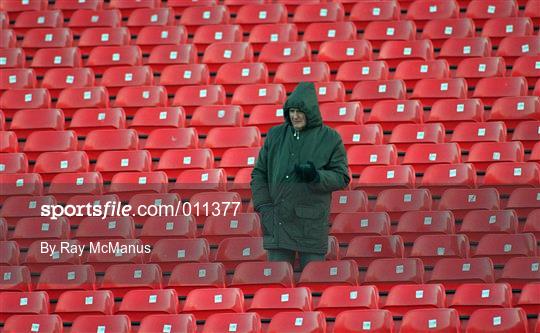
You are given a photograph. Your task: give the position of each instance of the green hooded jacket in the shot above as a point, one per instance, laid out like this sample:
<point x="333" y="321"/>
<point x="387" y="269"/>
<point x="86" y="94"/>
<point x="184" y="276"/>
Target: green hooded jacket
<point x="298" y="218"/>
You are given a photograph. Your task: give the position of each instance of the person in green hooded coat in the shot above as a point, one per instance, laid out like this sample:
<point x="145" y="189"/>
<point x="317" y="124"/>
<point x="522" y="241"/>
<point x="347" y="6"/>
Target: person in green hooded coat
<point x="300" y="164"/>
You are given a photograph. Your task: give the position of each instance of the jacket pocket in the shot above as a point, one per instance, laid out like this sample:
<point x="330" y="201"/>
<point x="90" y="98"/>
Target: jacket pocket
<point x="267" y="221"/>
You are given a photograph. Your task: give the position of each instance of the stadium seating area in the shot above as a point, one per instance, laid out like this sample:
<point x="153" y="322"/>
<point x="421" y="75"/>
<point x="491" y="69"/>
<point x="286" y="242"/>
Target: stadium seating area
<point x="154" y="102"/>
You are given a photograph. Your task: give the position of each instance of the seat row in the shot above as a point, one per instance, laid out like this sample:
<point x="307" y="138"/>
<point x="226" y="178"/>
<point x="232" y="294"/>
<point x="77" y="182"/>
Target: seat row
<point x="482" y="320"/>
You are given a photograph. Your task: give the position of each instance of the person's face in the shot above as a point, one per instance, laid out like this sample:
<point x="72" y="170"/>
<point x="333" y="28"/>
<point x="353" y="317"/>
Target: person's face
<point x="298" y="118"/>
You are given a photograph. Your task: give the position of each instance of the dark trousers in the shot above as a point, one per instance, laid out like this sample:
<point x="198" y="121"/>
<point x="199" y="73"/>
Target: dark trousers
<point x="289" y="256"/>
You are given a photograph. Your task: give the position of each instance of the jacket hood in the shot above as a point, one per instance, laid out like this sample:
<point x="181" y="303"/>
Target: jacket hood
<point x="304" y="97"/>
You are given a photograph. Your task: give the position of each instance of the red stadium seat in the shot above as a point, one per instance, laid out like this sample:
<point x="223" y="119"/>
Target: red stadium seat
<point x="18" y="185"/>
<point x="371" y="92"/>
<point x="170" y="252"/>
<point x="9" y="39"/>
<point x="50" y="164"/>
<point x="498" y="28"/>
<point x="320" y="32"/>
<point x="23" y="303"/>
<point x="483" y="154"/>
<point x="492" y="88"/>
<point x="269" y="301"/>
<point x="252" y="276"/>
<point x="242" y="322"/>
<point x="513" y="47"/>
<point x="160" y="140"/>
<point x="15" y="278"/>
<point x="477" y="223"/>
<point x="453" y="272"/>
<point x="233" y="251"/>
<point x="166" y="55"/>
<point x="403" y="298"/>
<point x="220" y="53"/>
<point x="12" y="58"/>
<point x="456" y="49"/>
<point x="519" y="271"/>
<point x="45" y="59"/>
<point x="338" y="299"/>
<point x="351" y="72"/>
<point x="424" y="11"/>
<point x="460" y="201"/>
<point x="103" y="57"/>
<point x="251" y="15"/>
<point x="10" y="253"/>
<point x="310" y="321"/>
<point x="411" y="71"/>
<point x="17" y="78"/>
<point x="181" y="322"/>
<point x="14" y="8"/>
<point x="421" y="156"/>
<point x="337" y="52"/>
<point x="398" y="201"/>
<point x="345" y="226"/>
<point x="431" y="248"/>
<point x="235" y="159"/>
<point x="37" y="260"/>
<point x="209" y="34"/>
<point x="365" y="249"/>
<point x="474" y="69"/>
<point x="206" y="117"/>
<point x="377" y="32"/>
<point x="370" y="319"/>
<point x="42" y="38"/>
<point x="428" y="91"/>
<point x="74" y="303"/>
<point x="385" y="273"/>
<point x="91" y="323"/>
<point x="526" y="66"/>
<point x="498" y="320"/>
<point x="122" y="278"/>
<point x="531" y="224"/>
<point x="30" y="229"/>
<point x="158" y="227"/>
<point x="196" y="16"/>
<point x="439" y="30"/>
<point x="13" y="163"/>
<point x="93" y="228"/>
<point x="102" y="36"/>
<point x="190" y="97"/>
<point x="473" y="296"/>
<point x="501" y="247"/>
<point x="507" y="176"/>
<point x="290" y="74"/>
<point x="466" y="134"/>
<point x="218" y="228"/>
<point x="50" y="323"/>
<point x="174" y="76"/>
<point x="341" y="113"/>
<point x="64" y="186"/>
<point x="49" y="141"/>
<point x="361" y="156"/>
<point x="318" y="276"/>
<point x="71" y="99"/>
<point x="111" y="162"/>
<point x="414" y="224"/>
<point x="190" y="182"/>
<point x="57" y="279"/>
<point x="147" y="119"/>
<point x="531" y="10"/>
<point x="421" y="319"/>
<point x="231" y="75"/>
<point x="189" y="276"/>
<point x="134" y="98"/>
<point x="99" y="141"/>
<point x="115" y="255"/>
<point x="25" y="122"/>
<point x="368" y="11"/>
<point x="394" y="52"/>
<point x="204" y="302"/>
<point x="528" y="132"/>
<point x="174" y="162"/>
<point x="155" y="17"/>
<point x="375" y="179"/>
<point x="16" y="99"/>
<point x="360" y="134"/>
<point x="438" y="177"/>
<point x="261" y="34"/>
<point x="220" y="139"/>
<point x="25" y="204"/>
<point x="85" y="121"/>
<point x="275" y="53"/>
<point x="347" y="201"/>
<point x="115" y="78"/>
<point x="87" y="18"/>
<point x="405" y="136"/>
<point x="127" y="184"/>
<point x="480" y="11"/>
<point x="57" y="79"/>
<point x="308" y="13"/>
<point x="138" y="304"/>
<point x="332" y="91"/>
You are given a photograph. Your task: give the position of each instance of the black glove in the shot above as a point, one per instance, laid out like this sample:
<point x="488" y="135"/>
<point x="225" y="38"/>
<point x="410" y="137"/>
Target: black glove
<point x="306" y="172"/>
